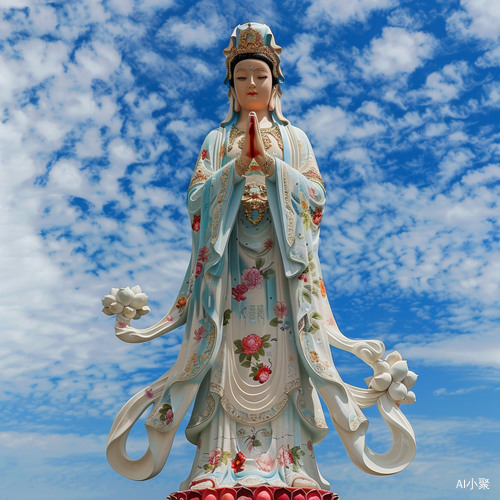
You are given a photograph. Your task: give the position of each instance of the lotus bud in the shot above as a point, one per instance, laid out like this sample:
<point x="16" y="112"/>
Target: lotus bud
<point x="106" y="310"/>
<point x="399" y="370"/>
<point x="129" y="312"/>
<point x="397" y="391"/>
<point x="140" y="300"/>
<point x="136" y="289"/>
<point x="116" y="308"/>
<point x="410" y="379"/>
<point x="114" y="291"/>
<point x="393" y="357"/>
<point x="125" y="296"/>
<point x="381" y="381"/>
<point x="144" y="310"/>
<point x="108" y="300"/>
<point x="380" y="366"/>
<point x="410" y="398"/>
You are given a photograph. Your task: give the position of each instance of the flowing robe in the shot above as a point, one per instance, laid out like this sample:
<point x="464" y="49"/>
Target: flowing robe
<point x="255" y="351"/>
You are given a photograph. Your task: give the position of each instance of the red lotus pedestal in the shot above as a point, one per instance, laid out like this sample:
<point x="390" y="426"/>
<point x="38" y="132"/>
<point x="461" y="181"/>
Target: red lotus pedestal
<point x="254" y="493"/>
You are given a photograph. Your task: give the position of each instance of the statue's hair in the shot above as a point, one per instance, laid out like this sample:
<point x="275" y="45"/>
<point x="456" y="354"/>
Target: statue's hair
<point x="244" y="57"/>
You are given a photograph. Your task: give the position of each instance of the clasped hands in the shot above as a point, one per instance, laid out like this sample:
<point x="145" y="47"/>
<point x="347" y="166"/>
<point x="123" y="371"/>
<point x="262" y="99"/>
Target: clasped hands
<point x="253" y="149"/>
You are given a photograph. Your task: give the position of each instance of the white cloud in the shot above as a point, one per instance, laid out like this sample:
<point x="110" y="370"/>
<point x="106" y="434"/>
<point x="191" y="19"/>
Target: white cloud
<point x="479" y="18"/>
<point x="490" y="59"/>
<point x="397" y="51"/>
<point x="339" y="11"/>
<point x="445" y="85"/>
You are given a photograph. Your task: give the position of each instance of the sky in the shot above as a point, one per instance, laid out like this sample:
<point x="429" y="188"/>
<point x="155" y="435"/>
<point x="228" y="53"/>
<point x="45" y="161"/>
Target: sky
<point x="104" y="106"/>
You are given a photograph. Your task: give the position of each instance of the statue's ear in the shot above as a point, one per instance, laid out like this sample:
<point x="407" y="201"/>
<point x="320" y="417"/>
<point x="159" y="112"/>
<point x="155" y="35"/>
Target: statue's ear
<point x="272" y="101"/>
<point x="236" y="104"/>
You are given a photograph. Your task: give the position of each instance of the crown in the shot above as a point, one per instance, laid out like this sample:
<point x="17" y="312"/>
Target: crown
<point x="251" y="41"/>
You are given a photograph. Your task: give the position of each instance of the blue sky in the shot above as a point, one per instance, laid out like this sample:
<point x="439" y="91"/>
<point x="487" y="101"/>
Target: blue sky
<point x="103" y="108"/>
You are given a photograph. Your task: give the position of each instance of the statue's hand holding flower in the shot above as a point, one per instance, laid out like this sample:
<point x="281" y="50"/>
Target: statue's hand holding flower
<point x="392" y="376"/>
<point x="126" y="303"/>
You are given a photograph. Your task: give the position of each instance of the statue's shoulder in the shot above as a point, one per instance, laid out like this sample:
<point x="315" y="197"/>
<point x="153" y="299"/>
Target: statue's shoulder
<point x="299" y="133"/>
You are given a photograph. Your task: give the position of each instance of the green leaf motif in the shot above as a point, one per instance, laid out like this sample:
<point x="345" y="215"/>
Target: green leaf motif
<point x="274" y="321"/>
<point x="237" y="343"/>
<point x="246" y="364"/>
<point x="227" y="317"/>
<point x="265" y="338"/>
<point x="257" y="443"/>
<point x="242" y="357"/>
<point x="266" y="345"/>
<point x="261" y="352"/>
<point x="316" y="315"/>
<point x="225" y="456"/>
<point x="238" y="351"/>
<point x="310" y="257"/>
<point x="268" y="273"/>
<point x="315" y="293"/>
<point x="256" y="355"/>
<point x="306" y="296"/>
<point x="259" y="262"/>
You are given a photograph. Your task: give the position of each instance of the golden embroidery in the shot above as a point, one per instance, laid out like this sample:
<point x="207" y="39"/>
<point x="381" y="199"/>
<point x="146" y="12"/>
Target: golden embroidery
<point x="290" y="212"/>
<point x="222" y="150"/>
<point x="266" y="133"/>
<point x="218" y="206"/>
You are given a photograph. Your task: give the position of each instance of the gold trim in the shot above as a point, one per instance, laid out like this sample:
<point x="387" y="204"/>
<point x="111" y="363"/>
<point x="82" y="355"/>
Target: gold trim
<point x="251" y="41"/>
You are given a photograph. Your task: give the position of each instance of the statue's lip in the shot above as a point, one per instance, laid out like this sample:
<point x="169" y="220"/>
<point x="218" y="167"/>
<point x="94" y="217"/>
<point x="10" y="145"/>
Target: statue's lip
<point x="252" y="93"/>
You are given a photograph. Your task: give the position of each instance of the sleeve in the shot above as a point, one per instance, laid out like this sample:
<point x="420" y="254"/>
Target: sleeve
<point x="297" y="199"/>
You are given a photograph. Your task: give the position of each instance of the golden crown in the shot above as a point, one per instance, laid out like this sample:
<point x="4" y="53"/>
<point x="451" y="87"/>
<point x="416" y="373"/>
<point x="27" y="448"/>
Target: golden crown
<point x="251" y="42"/>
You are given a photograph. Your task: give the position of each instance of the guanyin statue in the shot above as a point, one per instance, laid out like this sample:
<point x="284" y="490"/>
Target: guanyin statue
<point x="256" y="355"/>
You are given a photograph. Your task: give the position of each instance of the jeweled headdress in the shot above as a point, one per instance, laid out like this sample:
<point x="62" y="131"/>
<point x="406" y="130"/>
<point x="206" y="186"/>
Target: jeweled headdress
<point x="253" y="38"/>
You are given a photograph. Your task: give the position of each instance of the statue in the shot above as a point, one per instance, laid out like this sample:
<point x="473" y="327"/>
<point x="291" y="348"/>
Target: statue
<point x="258" y="325"/>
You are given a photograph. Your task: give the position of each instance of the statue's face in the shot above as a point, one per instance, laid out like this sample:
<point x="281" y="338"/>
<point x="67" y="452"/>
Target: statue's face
<point x="253" y="84"/>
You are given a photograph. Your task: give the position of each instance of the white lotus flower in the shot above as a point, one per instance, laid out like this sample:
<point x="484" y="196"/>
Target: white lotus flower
<point x="127" y="303"/>
<point x="392" y="376"/>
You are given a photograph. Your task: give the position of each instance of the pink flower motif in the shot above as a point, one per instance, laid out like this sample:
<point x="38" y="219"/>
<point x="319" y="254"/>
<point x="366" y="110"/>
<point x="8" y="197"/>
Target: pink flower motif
<point x="122" y="325"/>
<point x="285" y="457"/>
<point x="251" y="344"/>
<point x="200" y="333"/>
<point x="199" y="269"/>
<point x="214" y="456"/>
<point x="330" y="321"/>
<point x="169" y="416"/>
<point x="268" y="244"/>
<point x="169" y="318"/>
<point x="262" y="376"/>
<point x="312" y="193"/>
<point x="252" y="278"/>
<point x="265" y="462"/>
<point x="239" y="293"/>
<point x="149" y="393"/>
<point x="195" y="226"/>
<point x="280" y="309"/>
<point x="303" y="277"/>
<point x="203" y="254"/>
<point x="310" y="445"/>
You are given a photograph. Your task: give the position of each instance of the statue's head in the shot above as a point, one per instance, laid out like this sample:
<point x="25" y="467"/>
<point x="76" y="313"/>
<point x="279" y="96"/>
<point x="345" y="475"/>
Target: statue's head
<point x="252" y="53"/>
